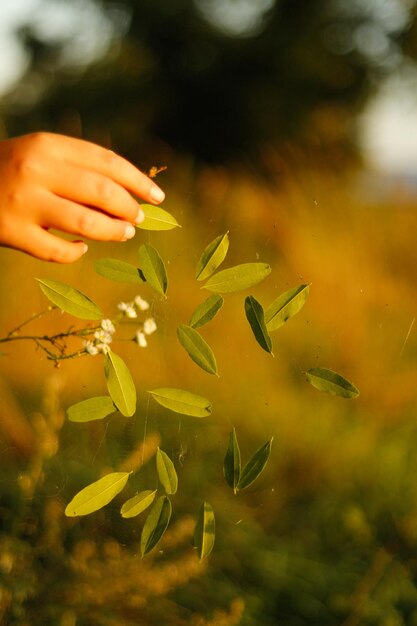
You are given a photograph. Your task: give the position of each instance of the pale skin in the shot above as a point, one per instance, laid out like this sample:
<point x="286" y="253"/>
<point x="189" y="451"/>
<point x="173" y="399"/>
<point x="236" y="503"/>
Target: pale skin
<point x="50" y="181"/>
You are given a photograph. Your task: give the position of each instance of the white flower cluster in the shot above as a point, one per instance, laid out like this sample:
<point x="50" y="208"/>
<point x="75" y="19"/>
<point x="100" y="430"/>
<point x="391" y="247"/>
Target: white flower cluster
<point x="130" y="309"/>
<point x="149" y="327"/>
<point x="102" y="338"/>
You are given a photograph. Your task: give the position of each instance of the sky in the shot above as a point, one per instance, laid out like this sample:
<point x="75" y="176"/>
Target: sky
<point x="388" y="126"/>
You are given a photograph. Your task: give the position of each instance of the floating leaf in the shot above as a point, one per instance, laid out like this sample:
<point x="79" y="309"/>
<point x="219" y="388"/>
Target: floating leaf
<point x="206" y="311"/>
<point x="286" y="306"/>
<point x="92" y="409"/>
<point x="156" y="524"/>
<point x="231" y="466"/>
<point x="331" y="382"/>
<point x="166" y="472"/>
<point x="157" y="218"/>
<point x="113" y="269"/>
<point x="197" y="348"/>
<point x="255" y="316"/>
<point x="213" y="255"/>
<point x="98" y="494"/>
<point x="153" y="269"/>
<point x="205" y="530"/>
<point x="70" y="299"/>
<point x="255" y="466"/>
<point x="138" y="503"/>
<point x="181" y="401"/>
<point x="120" y="384"/>
<point x="238" y="277"/>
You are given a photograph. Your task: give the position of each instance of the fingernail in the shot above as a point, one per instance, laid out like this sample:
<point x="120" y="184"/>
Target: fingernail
<point x="130" y="231"/>
<point x="85" y="248"/>
<point x="140" y="217"/>
<point x="157" y="194"/>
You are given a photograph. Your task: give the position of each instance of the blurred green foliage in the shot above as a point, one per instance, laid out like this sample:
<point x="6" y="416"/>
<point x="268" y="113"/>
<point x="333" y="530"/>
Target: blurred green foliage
<point x="221" y="80"/>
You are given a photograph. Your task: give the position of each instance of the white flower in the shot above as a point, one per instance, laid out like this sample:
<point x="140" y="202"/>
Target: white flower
<point x="131" y="312"/>
<point x="128" y="309"/>
<point x="102" y="337"/>
<point x="149" y="326"/>
<point x="142" y="304"/>
<point x="103" y="347"/>
<point x="141" y="339"/>
<point x="90" y="348"/>
<point x="108" y="326"/>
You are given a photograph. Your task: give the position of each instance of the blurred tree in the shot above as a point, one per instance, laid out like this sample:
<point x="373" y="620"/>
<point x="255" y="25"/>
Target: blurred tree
<point x="223" y="80"/>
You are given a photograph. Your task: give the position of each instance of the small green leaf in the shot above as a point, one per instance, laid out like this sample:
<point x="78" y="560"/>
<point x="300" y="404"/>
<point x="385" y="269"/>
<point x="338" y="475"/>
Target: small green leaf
<point x="157" y="219"/>
<point x="120" y="384"/>
<point x="286" y="306"/>
<point x="205" y="530"/>
<point x="92" y="409"/>
<point x="166" y="472"/>
<point x="255" y="466"/>
<point x="238" y="277"/>
<point x="70" y="299"/>
<point x="156" y="524"/>
<point x="181" y="401"/>
<point x="197" y="348"/>
<point x="98" y="494"/>
<point x="255" y="316"/>
<point x="153" y="269"/>
<point x="330" y="382"/>
<point x="120" y="271"/>
<point x="206" y="311"/>
<point x="213" y="255"/>
<point x="231" y="465"/>
<point x="138" y="503"/>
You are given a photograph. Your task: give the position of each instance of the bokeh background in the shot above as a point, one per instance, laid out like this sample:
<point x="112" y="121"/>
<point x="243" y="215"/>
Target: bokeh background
<point x="293" y="125"/>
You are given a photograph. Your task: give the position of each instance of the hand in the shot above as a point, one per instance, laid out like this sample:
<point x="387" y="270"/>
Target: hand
<point x="53" y="181"/>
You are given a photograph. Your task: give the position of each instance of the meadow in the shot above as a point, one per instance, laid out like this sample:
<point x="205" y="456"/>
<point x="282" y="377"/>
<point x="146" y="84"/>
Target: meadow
<point x="326" y="536"/>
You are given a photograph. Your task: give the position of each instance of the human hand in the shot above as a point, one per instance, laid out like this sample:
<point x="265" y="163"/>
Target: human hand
<point x="53" y="181"/>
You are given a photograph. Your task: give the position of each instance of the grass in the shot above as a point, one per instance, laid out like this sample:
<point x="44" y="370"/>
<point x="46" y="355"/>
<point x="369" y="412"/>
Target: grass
<point x="327" y="534"/>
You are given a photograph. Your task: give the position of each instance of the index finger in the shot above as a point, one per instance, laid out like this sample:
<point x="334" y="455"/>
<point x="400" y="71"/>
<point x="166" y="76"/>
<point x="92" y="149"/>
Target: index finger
<point x="94" y="157"/>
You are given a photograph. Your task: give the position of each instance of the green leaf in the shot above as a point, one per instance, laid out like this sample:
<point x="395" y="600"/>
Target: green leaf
<point x="255" y="466"/>
<point x="206" y="311"/>
<point x="181" y="401"/>
<point x="205" y="530"/>
<point x="153" y="269"/>
<point x="286" y="306"/>
<point x="113" y="269"/>
<point x="70" y="299"/>
<point x="213" y="255"/>
<point x="255" y="316"/>
<point x="197" y="348"/>
<point x="231" y="465"/>
<point x="120" y="384"/>
<point x="166" y="472"/>
<point x="238" y="277"/>
<point x="98" y="494"/>
<point x="92" y="409"/>
<point x="157" y="219"/>
<point x="156" y="524"/>
<point x="330" y="382"/>
<point x="138" y="503"/>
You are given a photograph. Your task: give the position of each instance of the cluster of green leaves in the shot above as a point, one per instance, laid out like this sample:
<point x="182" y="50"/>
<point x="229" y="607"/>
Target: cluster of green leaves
<point x="121" y="388"/>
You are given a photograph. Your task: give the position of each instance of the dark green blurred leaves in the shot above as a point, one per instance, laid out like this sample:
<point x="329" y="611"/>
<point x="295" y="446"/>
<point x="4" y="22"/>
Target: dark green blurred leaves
<point x="156" y="524"/>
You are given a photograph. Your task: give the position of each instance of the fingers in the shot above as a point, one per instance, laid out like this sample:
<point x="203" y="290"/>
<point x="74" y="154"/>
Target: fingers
<point x="106" y="162"/>
<point x="70" y="217"/>
<point x="90" y="188"/>
<point x="47" y="247"/>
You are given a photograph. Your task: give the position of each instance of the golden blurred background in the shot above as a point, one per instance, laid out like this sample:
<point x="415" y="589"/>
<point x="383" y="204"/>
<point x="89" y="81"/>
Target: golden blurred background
<point x="257" y="114"/>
